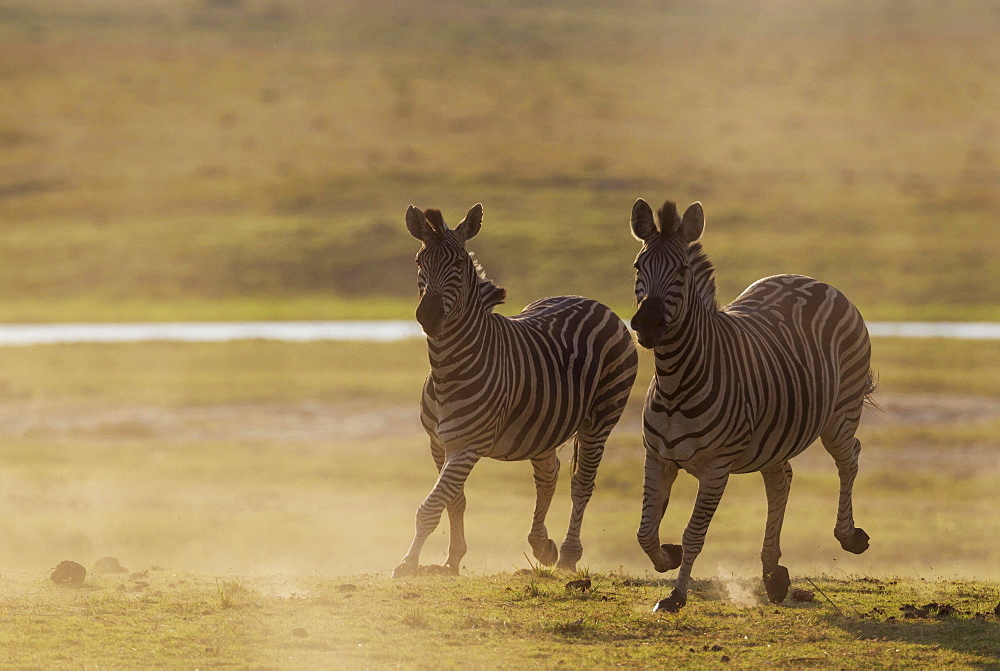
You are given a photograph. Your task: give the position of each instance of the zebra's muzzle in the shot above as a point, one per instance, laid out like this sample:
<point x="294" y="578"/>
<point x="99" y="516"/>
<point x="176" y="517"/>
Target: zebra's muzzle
<point x="430" y="313"/>
<point x="649" y="322"/>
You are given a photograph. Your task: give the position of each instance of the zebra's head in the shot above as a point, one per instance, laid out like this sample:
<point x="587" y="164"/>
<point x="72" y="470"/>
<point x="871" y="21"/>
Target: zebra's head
<point x="662" y="268"/>
<point x="446" y="274"/>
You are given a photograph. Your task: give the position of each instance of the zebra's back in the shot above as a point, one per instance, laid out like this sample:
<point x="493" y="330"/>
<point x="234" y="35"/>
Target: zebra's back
<point x="807" y="358"/>
<point x="553" y="364"/>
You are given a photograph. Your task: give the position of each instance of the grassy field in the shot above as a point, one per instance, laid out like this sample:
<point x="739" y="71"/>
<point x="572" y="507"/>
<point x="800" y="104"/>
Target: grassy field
<point x="253" y="159"/>
<point x="523" y="620"/>
<point x="244" y="484"/>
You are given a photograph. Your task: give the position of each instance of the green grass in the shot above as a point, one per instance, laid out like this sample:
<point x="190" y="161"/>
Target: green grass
<point x="935" y="365"/>
<point x="375" y="373"/>
<point x="93" y="308"/>
<point x="493" y="620"/>
<point x="252" y="159"/>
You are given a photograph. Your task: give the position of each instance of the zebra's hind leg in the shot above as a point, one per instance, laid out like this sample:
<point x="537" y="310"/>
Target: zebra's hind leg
<point x="711" y="486"/>
<point x="546" y="472"/>
<point x="777" y="482"/>
<point x="587" y="452"/>
<point x="659" y="479"/>
<point x="840" y="441"/>
<point x="448" y="487"/>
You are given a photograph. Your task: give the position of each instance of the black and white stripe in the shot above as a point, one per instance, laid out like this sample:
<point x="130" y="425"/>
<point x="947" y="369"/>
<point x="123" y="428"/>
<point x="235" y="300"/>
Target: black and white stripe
<point x="510" y="388"/>
<point x="740" y="389"/>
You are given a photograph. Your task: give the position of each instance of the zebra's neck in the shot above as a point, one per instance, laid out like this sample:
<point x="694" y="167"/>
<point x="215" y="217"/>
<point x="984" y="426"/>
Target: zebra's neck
<point x="686" y="364"/>
<point x="462" y="343"/>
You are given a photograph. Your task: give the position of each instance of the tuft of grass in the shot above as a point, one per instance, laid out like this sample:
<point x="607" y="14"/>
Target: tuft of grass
<point x="576" y="628"/>
<point x="533" y="589"/>
<point x="233" y="593"/>
<point x="416" y="618"/>
<point x="538" y="569"/>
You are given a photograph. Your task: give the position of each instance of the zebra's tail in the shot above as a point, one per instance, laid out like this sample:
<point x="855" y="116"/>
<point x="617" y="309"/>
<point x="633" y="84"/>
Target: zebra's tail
<point x="871" y="384"/>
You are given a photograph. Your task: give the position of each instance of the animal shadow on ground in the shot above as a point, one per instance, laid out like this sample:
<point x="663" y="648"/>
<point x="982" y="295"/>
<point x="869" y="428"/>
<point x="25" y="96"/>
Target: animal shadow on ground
<point x="937" y="625"/>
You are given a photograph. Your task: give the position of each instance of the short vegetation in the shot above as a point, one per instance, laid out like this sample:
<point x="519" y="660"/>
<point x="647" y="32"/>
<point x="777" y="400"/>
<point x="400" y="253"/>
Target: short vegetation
<point x="510" y="620"/>
<point x="254" y="158"/>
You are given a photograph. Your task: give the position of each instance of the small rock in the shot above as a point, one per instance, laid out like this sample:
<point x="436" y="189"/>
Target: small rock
<point x="138" y="575"/>
<point x="109" y="565"/>
<point x="299" y="632"/>
<point x="347" y="587"/>
<point x="69" y="573"/>
<point x="725" y="659"/>
<point x="583" y="584"/>
<point x="996" y="611"/>
<point x="715" y="648"/>
<point x="803" y="595"/>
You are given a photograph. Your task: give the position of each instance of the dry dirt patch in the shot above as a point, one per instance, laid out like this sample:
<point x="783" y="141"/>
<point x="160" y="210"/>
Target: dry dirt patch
<point x="308" y="421"/>
<point x="325" y="423"/>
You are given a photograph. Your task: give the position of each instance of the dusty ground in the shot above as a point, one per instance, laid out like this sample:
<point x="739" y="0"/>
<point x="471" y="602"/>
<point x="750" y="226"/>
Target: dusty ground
<point x="318" y="422"/>
<point x="318" y="486"/>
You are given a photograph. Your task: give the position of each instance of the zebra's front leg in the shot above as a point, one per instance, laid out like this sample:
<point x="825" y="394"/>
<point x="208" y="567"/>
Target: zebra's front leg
<point x="456" y="514"/>
<point x="456" y="535"/>
<point x="659" y="479"/>
<point x="446" y="490"/>
<point x="546" y="473"/>
<point x="710" y="489"/>
<point x="777" y="482"/>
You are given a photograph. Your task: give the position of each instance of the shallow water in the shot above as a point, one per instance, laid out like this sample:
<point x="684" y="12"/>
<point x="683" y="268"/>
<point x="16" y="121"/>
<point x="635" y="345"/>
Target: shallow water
<point x="370" y="331"/>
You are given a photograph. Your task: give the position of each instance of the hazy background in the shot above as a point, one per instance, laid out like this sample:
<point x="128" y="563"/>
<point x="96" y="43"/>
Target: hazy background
<point x="210" y="154"/>
<point x="253" y="159"/>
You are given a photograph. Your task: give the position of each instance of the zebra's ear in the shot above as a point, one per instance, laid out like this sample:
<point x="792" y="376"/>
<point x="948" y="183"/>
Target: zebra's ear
<point x="692" y="223"/>
<point x="469" y="226"/>
<point x="642" y="221"/>
<point x="416" y="224"/>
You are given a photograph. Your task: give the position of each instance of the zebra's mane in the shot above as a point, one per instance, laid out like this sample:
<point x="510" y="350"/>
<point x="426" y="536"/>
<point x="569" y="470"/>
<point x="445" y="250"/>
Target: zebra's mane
<point x="489" y="293"/>
<point x="704" y="275"/>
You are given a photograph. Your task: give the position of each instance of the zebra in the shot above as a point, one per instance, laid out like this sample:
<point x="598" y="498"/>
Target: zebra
<point x="739" y="389"/>
<point x="510" y="388"/>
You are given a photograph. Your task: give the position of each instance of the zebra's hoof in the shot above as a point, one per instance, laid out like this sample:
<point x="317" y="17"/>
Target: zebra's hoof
<point x="672" y="604"/>
<point x="674" y="554"/>
<point x="404" y="569"/>
<point x="549" y="553"/>
<point x="777" y="583"/>
<point x="857" y="543"/>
